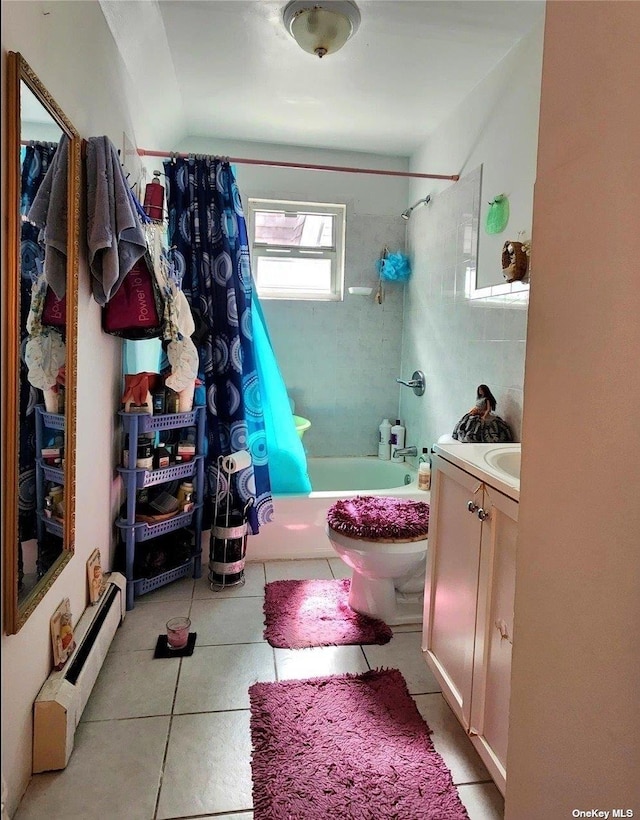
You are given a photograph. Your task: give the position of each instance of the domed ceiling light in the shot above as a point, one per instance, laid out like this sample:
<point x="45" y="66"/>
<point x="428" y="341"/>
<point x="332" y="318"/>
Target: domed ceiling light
<point x="323" y="27"/>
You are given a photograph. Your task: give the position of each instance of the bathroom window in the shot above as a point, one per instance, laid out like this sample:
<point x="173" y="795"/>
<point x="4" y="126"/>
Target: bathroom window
<point x="297" y="249"/>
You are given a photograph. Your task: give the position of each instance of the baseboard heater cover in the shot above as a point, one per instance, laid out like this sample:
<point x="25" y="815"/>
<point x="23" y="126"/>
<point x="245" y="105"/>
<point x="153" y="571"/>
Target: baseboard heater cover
<point x="61" y="701"/>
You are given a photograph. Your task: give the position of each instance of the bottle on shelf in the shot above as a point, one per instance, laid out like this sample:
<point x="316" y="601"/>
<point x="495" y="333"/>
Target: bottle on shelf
<point x="397" y="440"/>
<point x="185" y="496"/>
<point x="384" y="440"/>
<point x="161" y="457"/>
<point x="172" y="401"/>
<point x="144" y="458"/>
<point x="159" y="402"/>
<point x="424" y="473"/>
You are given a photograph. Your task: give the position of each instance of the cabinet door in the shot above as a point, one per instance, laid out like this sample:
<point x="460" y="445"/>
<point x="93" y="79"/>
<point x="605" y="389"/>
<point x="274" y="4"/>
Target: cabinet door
<point x="451" y="587"/>
<point x="494" y="635"/>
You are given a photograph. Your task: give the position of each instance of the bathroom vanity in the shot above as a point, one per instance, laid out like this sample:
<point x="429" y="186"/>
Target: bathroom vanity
<point x="469" y="590"/>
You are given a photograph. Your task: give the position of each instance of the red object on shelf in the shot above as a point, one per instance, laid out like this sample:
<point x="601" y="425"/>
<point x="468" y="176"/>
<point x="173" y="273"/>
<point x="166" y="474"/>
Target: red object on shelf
<point x="154" y="198"/>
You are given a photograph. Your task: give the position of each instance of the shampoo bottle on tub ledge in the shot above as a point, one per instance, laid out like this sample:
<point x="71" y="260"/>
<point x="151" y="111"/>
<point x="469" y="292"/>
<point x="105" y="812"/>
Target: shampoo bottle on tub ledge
<point x="397" y="440"/>
<point x="384" y="440"/>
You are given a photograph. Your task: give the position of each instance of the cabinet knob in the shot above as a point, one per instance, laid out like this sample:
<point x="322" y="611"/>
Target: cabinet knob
<point x="482" y="514"/>
<point x="472" y="506"/>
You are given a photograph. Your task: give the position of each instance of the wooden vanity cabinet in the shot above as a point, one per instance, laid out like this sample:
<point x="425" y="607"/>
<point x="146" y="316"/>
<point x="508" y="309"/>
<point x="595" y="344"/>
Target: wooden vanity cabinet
<point x="468" y="606"/>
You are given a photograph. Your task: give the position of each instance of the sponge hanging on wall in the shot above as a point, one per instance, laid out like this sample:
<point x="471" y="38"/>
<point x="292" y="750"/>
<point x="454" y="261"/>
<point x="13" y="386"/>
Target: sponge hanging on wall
<point x="394" y="267"/>
<point x="498" y="214"/>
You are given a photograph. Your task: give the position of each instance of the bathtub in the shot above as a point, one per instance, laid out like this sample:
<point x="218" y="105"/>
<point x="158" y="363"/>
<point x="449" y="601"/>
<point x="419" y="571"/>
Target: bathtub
<point x="298" y="526"/>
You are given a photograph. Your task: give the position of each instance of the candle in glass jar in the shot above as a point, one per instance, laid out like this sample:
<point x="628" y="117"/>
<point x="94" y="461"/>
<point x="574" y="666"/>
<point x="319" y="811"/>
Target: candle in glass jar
<point x="178" y="632"/>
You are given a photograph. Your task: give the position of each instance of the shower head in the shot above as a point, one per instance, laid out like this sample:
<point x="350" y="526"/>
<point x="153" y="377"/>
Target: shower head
<point x="424" y="201"/>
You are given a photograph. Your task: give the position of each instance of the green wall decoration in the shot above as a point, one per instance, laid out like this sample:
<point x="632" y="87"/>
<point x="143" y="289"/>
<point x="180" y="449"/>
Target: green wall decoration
<point x="498" y="214"/>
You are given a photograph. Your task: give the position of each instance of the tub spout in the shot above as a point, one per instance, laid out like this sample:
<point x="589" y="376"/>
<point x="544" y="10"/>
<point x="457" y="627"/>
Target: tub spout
<point x="411" y="452"/>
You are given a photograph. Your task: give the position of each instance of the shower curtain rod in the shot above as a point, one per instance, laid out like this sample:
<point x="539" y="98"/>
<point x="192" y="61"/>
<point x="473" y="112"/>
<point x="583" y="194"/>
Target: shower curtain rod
<point x="144" y="152"/>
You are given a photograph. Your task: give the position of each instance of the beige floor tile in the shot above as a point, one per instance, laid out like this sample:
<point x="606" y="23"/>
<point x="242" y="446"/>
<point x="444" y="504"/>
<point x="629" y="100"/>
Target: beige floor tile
<point x="482" y="801"/>
<point x="114" y="772"/>
<point x="208" y="765"/>
<point x="133" y="684"/>
<point x="245" y="815"/>
<point x="218" y="677"/>
<point x="450" y="740"/>
<point x="403" y="652"/>
<point x="292" y="664"/>
<point x="228" y="620"/>
<point x="311" y="570"/>
<point x="145" y="622"/>
<point x="254" y="581"/>
<point x="339" y="568"/>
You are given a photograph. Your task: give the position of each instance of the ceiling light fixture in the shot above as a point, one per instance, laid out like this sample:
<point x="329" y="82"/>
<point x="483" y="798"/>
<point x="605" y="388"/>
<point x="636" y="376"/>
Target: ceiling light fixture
<point x="322" y="27"/>
<point x="424" y="201"/>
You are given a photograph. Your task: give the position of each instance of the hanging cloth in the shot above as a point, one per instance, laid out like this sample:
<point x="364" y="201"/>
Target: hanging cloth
<point x="48" y="212"/>
<point x="211" y="254"/>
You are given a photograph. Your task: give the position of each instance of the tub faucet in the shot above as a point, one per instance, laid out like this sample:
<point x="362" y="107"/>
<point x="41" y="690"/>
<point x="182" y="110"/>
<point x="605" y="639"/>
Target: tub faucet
<point x="411" y="452"/>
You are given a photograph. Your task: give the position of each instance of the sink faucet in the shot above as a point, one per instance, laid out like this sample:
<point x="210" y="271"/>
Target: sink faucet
<point x="412" y="452"/>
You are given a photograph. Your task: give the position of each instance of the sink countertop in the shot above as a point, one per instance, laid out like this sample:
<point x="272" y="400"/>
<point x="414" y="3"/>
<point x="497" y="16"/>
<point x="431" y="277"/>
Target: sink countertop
<point x="471" y="458"/>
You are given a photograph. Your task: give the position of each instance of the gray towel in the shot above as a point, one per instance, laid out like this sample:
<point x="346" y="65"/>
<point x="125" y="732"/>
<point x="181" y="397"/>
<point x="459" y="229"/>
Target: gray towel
<point x="49" y="213"/>
<point x="115" y="236"/>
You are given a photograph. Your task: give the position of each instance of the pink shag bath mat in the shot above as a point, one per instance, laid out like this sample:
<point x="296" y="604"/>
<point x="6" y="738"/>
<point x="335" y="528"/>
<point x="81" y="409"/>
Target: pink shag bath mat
<point x="300" y="614"/>
<point x="346" y="746"/>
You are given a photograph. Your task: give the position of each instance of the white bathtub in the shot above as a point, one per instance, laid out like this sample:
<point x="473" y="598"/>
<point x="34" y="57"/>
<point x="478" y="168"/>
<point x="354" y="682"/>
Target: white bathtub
<point x="298" y="526"/>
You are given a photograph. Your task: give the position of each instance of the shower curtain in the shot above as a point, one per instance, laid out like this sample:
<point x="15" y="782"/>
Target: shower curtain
<point x="208" y="235"/>
<point x="287" y="459"/>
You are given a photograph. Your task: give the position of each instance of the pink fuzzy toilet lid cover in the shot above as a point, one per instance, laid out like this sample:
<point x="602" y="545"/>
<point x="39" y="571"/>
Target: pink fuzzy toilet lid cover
<point x="380" y="518"/>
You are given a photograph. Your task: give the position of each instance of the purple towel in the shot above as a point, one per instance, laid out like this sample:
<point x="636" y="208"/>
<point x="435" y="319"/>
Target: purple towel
<point x="115" y="236"/>
<point x="49" y="213"/>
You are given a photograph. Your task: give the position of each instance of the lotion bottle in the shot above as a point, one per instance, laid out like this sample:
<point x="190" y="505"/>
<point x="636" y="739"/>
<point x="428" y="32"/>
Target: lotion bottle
<point x="424" y="476"/>
<point x="384" y="440"/>
<point x="397" y="440"/>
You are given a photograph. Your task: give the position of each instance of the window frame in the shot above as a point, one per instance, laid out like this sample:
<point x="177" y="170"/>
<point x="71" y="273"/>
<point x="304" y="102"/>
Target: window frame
<point x="335" y="253"/>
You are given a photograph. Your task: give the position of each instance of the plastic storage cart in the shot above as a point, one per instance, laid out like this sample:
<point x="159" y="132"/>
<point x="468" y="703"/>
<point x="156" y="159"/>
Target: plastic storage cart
<point x="136" y="478"/>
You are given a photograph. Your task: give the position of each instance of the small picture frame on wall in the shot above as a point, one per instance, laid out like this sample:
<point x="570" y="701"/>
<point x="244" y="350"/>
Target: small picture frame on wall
<point x="95" y="577"/>
<point x="62" y="634"/>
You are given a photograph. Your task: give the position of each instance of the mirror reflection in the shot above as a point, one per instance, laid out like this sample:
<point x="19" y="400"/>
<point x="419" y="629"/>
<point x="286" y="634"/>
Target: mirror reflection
<point x="38" y="547"/>
<point x="40" y="315"/>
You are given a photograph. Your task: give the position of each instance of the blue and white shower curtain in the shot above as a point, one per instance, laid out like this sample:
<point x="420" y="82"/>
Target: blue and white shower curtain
<point x="208" y="236"/>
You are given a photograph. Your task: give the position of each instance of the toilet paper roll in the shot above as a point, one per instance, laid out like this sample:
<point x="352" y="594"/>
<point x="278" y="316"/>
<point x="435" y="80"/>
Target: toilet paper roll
<point x="236" y="461"/>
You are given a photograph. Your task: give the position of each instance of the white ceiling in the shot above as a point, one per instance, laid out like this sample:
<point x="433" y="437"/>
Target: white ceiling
<point x="230" y="70"/>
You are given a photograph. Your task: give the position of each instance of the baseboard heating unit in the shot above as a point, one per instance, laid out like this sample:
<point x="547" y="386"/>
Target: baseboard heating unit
<point x="61" y="701"/>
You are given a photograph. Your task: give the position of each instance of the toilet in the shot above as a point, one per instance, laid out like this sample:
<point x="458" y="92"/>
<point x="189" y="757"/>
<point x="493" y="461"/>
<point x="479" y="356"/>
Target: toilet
<point x="384" y="541"/>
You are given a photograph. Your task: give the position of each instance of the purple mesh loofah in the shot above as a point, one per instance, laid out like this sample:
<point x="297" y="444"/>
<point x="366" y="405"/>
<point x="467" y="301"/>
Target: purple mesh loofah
<point x="379" y="516"/>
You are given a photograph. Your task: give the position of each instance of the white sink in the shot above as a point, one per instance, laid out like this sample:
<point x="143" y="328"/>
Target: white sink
<point x="505" y="460"/>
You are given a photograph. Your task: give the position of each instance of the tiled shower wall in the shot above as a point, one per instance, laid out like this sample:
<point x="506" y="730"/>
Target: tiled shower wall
<point x="458" y="343"/>
<point x="340" y="360"/>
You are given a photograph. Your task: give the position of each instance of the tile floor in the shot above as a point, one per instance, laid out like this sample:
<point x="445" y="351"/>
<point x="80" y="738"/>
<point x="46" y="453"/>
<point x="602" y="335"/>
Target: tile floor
<point x="169" y="738"/>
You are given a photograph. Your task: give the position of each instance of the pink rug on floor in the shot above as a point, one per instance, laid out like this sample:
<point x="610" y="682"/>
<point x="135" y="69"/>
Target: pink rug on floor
<point x="346" y="746"/>
<point x="299" y="614"/>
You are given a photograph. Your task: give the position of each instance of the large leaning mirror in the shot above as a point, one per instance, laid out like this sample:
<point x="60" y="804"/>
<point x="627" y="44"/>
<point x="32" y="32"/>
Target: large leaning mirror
<point x="40" y="333"/>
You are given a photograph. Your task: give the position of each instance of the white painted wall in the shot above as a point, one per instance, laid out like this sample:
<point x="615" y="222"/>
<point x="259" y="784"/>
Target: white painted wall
<point x="496" y="127"/>
<point x="460" y="343"/>
<point x="574" y="736"/>
<point x="90" y="87"/>
<point x="339" y="360"/>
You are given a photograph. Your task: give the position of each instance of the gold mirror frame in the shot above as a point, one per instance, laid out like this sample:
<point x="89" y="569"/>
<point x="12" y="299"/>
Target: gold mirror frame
<point x="17" y="612"/>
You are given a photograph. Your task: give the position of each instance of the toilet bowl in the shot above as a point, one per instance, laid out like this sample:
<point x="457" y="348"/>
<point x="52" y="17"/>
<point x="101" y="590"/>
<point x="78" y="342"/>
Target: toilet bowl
<point x="388" y="560"/>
